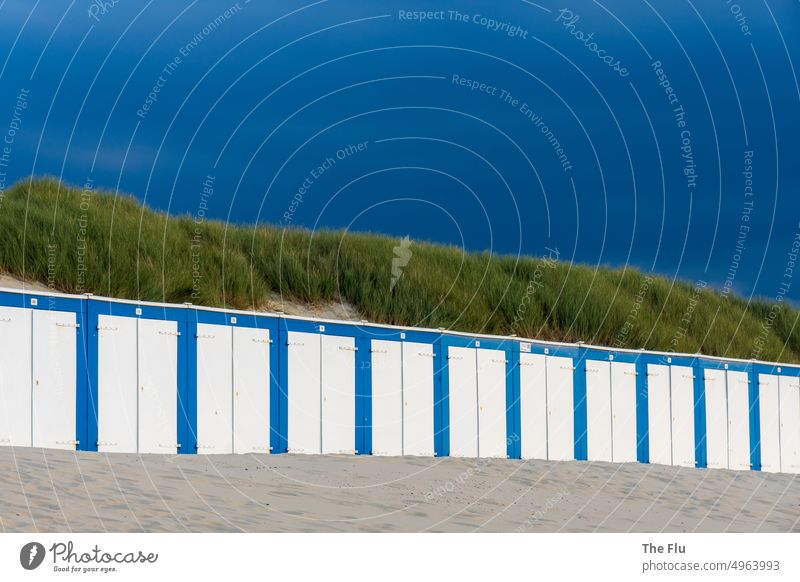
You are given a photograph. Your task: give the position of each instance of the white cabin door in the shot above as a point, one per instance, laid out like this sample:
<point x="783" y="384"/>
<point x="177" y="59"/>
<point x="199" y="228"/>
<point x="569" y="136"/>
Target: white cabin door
<point x="338" y="395"/>
<point x="623" y="406"/>
<point x="533" y="406"/>
<point x="492" y="435"/>
<point x="560" y="409"/>
<point x="462" y="366"/>
<point x="158" y="386"/>
<point x="54" y="379"/>
<point x="305" y="419"/>
<point x="15" y="377"/>
<point x="738" y="421"/>
<point x="418" y="399"/>
<point x="387" y="397"/>
<point x="214" y="389"/>
<point x="598" y="410"/>
<point x="117" y="375"/>
<point x="251" y="382"/>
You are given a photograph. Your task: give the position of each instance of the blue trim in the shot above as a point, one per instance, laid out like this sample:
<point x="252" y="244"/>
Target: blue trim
<point x="755" y="420"/>
<point x="277" y="438"/>
<point x="282" y="410"/>
<point x="642" y="418"/>
<point x="187" y="422"/>
<point x="365" y="334"/>
<point x="187" y="394"/>
<point x="82" y="397"/>
<point x="442" y="429"/>
<point x="441" y="403"/>
<point x="580" y="423"/>
<point x="197" y="315"/>
<point x="700" y="421"/>
<point x="513" y="410"/>
<point x="363" y="396"/>
<point x="92" y="366"/>
<point x="578" y="356"/>
<point x="597" y="355"/>
<point x="97" y="307"/>
<point x="698" y="390"/>
<point x="332" y="329"/>
<point x="374" y="332"/>
<point x="76" y="305"/>
<point x="757" y="368"/>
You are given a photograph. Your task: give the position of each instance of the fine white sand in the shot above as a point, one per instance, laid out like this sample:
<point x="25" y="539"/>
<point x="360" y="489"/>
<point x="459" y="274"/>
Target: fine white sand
<point x="274" y="302"/>
<point x="46" y="491"/>
<point x="11" y="282"/>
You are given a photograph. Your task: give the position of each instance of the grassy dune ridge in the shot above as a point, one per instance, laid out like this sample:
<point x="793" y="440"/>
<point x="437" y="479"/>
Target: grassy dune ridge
<point x="112" y="245"/>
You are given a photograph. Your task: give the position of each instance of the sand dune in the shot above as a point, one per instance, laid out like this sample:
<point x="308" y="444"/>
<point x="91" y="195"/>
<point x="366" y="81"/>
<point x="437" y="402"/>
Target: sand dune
<point x="46" y="491"/>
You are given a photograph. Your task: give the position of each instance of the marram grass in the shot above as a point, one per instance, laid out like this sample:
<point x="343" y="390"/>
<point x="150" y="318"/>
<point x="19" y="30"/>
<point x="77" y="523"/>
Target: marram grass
<point x="112" y="245"/>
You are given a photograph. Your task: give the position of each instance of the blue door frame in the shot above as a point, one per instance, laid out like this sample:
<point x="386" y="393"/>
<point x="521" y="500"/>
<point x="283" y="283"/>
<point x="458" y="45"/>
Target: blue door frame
<point x="754" y="421"/>
<point x="368" y="333"/>
<point x="97" y="307"/>
<point x="699" y="403"/>
<point x="362" y="335"/>
<point x="755" y="402"/>
<point x="578" y="355"/>
<point x="71" y="304"/>
<point x="635" y="358"/>
<point x="511" y="348"/>
<point x="198" y="315"/>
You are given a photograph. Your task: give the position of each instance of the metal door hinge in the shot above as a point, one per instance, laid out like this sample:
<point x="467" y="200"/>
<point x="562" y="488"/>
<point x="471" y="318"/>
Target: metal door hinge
<point x="348" y="348"/>
<point x="64" y="324"/>
<point x="261" y="341"/>
<point x="295" y="344"/>
<point x="175" y="333"/>
<point x="106" y="328"/>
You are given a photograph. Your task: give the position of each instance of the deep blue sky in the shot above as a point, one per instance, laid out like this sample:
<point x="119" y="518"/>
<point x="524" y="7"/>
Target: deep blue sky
<point x="263" y="97"/>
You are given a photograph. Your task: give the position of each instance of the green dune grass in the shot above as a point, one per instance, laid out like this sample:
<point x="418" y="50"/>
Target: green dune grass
<point x="79" y="241"/>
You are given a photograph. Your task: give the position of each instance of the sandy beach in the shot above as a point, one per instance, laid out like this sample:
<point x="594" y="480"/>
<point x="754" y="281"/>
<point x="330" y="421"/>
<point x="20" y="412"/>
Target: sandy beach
<point x="57" y="491"/>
